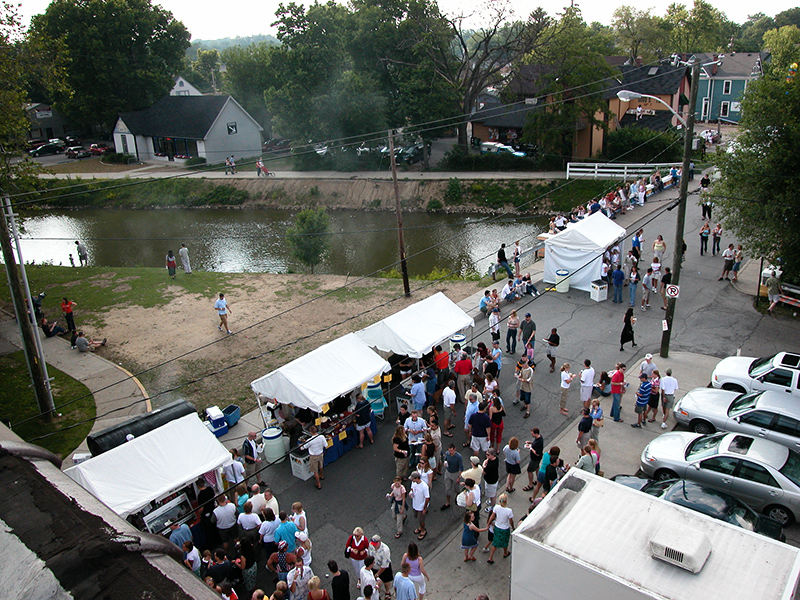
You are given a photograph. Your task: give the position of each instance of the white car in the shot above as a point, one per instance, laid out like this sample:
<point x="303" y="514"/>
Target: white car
<point x="779" y="373"/>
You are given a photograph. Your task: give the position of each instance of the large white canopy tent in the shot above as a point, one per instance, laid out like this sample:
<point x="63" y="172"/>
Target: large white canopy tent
<point x="414" y="330"/>
<point x="579" y="250"/>
<point x="315" y="379"/>
<point x="130" y="476"/>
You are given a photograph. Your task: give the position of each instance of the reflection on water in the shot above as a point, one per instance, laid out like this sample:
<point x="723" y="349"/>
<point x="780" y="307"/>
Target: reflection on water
<point x="255" y="240"/>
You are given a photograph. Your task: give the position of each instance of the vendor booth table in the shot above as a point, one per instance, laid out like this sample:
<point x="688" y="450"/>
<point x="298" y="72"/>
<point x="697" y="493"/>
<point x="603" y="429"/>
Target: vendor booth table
<point x="315" y="379"/>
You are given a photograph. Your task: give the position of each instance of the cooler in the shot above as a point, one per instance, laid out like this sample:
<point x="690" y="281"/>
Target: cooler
<point x="299" y="460"/>
<point x="215" y="416"/>
<point x="599" y="290"/>
<point x="217" y="430"/>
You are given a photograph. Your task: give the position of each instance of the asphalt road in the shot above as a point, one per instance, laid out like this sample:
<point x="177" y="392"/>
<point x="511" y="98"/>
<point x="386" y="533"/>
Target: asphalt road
<point x="711" y="317"/>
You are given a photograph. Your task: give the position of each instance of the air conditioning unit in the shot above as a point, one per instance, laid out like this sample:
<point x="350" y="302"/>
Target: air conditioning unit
<point x="682" y="546"/>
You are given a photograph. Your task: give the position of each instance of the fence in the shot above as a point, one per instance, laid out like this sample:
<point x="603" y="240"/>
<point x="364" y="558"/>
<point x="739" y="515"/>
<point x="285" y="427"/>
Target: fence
<point x="612" y="171"/>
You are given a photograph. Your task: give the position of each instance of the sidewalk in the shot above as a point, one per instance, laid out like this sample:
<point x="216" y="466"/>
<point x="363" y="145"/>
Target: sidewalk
<point x="96" y="373"/>
<point x="621" y="446"/>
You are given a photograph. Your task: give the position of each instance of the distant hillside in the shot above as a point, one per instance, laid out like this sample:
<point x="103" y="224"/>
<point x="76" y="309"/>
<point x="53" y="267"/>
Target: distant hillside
<point x="223" y="43"/>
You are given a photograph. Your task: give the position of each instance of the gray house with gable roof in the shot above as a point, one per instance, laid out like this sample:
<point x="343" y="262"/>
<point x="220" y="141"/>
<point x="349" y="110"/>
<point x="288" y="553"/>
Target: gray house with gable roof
<point x="182" y="127"/>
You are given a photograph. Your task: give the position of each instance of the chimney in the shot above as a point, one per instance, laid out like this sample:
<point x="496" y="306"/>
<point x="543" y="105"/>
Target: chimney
<point x="715" y="65"/>
<point x="639" y="61"/>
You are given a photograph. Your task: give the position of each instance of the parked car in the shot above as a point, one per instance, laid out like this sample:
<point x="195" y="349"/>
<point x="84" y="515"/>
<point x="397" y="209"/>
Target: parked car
<point x="58" y="142"/>
<point x="45" y="149"/>
<point x="101" y="148"/>
<point x="412" y="154"/>
<point x="71" y="140"/>
<point x="780" y="373"/>
<point x="498" y="148"/>
<point x="706" y="500"/>
<point x="762" y="474"/>
<point x="35" y="143"/>
<point x="77" y="152"/>
<point x="770" y="415"/>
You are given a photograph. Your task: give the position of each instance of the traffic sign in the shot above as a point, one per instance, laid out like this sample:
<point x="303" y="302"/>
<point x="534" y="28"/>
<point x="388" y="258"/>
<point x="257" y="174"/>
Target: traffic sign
<point x="673" y="291"/>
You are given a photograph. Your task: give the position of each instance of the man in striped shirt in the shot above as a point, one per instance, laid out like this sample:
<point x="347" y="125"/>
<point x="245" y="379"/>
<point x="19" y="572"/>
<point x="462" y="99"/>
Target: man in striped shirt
<point x="642" y="397"/>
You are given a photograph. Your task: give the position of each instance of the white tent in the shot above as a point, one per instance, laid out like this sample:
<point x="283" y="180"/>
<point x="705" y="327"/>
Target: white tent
<point x="323" y="374"/>
<point x="417" y="328"/>
<point x="579" y="250"/>
<point x="128" y="477"/>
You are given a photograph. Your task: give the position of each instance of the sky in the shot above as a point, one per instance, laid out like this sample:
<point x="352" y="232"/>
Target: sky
<point x="245" y="17"/>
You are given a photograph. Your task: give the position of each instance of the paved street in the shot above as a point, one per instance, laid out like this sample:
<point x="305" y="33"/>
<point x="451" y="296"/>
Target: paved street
<point x="713" y="319"/>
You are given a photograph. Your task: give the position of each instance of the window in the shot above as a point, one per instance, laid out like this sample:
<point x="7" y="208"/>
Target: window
<point x="124" y="139"/>
<point x="757" y="474"/>
<point x="704" y="113"/>
<point x="180" y="83"/>
<point x="778" y="377"/>
<point x="720" y="464"/>
<point x="758" y="418"/>
<point x="724" y="109"/>
<point x="726" y="87"/>
<point x="232" y="129"/>
<point x="786" y="425"/>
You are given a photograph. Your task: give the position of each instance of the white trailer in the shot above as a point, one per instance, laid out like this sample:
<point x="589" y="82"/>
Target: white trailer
<point x="593" y="538"/>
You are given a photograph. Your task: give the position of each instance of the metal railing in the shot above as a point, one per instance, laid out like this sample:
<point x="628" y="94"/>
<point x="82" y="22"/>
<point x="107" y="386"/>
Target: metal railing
<point x="612" y="171"/>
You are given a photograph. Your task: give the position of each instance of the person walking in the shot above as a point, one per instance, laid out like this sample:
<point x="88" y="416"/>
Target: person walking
<point x="669" y="385"/>
<point x="633" y="285"/>
<point x="511" y="333"/>
<point x="171" y="264"/>
<point x="356" y="549"/>
<point x="659" y="247"/>
<point x="525" y="377"/>
<point x="728" y="256"/>
<point x="587" y="382"/>
<point x="502" y="518"/>
<point x="83" y="254"/>
<point x="184" y="254"/>
<point x="738" y="255"/>
<point x="397" y="496"/>
<point x="584" y="426"/>
<point x="553" y="340"/>
<point x="469" y="536"/>
<point x="705" y="232"/>
<point x="666" y="280"/>
<point x="222" y="308"/>
<point x="647" y="284"/>
<point x="417" y="574"/>
<point x="716" y="237"/>
<point x="566" y="379"/>
<point x="774" y="291"/>
<point x="401" y="449"/>
<point x="420" y="500"/>
<point x="316" y="453"/>
<point x="403" y="586"/>
<point x="627" y="332"/>
<point x="596" y="412"/>
<point x="536" y="449"/>
<point x="66" y="310"/>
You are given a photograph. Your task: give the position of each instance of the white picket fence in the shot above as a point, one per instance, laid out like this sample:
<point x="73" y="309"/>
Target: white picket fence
<point x="613" y="170"/>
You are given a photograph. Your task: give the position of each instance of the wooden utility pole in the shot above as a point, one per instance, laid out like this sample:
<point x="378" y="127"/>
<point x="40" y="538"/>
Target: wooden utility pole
<point x="33" y="353"/>
<point x="403" y="265"/>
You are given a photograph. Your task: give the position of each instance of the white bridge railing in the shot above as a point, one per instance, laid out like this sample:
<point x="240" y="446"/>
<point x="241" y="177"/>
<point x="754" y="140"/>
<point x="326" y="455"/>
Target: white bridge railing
<point x="613" y="171"/>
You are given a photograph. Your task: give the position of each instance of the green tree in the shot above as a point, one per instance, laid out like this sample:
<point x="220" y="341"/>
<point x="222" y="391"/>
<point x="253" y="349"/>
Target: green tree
<point x="701" y="29"/>
<point x="572" y="83"/>
<point x="639" y="33"/>
<point x="307" y="237"/>
<point x="751" y="33"/>
<point x="784" y="44"/>
<point x="122" y="55"/>
<point x="757" y="192"/>
<point x="249" y="73"/>
<point x="17" y="174"/>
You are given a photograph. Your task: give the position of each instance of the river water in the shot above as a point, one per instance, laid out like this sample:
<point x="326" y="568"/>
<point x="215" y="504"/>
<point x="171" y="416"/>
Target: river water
<point x="361" y="243"/>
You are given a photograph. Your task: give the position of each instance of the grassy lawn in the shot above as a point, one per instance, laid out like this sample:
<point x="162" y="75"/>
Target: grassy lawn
<point x="104" y="289"/>
<point x="17" y="403"/>
<point x="90" y="165"/>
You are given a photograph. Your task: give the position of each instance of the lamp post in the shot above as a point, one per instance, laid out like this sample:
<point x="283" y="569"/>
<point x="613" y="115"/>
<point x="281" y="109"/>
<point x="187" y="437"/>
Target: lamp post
<point x="688" y="124"/>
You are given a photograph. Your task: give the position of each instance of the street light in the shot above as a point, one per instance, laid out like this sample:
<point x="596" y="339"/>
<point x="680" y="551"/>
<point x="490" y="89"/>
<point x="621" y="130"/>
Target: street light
<point x="628" y="95"/>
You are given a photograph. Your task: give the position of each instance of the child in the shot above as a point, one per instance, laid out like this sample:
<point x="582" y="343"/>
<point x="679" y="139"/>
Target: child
<point x="205" y="562"/>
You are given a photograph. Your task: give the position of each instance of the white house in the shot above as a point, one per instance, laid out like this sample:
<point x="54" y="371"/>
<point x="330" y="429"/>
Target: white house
<point x="184" y="88"/>
<point x="213" y="127"/>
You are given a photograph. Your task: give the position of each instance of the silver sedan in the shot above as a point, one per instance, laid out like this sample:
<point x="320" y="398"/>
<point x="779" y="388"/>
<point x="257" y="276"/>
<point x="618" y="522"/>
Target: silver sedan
<point x="770" y="415"/>
<point x="762" y="474"/>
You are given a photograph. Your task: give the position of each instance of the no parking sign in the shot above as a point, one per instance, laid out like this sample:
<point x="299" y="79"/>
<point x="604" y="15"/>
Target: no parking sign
<point x="673" y="291"/>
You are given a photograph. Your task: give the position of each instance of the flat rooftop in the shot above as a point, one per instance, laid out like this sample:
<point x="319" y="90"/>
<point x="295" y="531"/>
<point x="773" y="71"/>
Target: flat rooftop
<point x="607" y="528"/>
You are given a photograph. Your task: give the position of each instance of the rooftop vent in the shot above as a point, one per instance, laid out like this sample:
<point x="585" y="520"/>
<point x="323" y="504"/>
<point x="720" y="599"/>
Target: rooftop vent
<point x="682" y="546"/>
<point x="652" y="71"/>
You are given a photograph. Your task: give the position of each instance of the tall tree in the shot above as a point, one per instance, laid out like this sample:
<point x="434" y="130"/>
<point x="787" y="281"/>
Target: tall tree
<point x="571" y="82"/>
<point x="639" y="33"/>
<point x="307" y="237"/>
<point x="757" y="191"/>
<point x="701" y="29"/>
<point x="751" y="34"/>
<point x="784" y="44"/>
<point x="249" y="72"/>
<point x="123" y="55"/>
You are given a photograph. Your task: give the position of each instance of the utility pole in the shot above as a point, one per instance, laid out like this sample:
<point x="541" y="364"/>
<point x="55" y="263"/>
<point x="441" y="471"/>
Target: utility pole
<point x="403" y="265"/>
<point x="678" y="248"/>
<point x="30" y="342"/>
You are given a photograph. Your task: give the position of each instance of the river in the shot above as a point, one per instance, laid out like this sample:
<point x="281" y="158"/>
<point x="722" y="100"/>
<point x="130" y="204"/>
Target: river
<point x="361" y="243"/>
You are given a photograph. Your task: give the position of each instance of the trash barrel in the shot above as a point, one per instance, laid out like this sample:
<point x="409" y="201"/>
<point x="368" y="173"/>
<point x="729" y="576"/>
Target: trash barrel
<point x="274" y="451"/>
<point x="457" y="338"/>
<point x="562" y="281"/>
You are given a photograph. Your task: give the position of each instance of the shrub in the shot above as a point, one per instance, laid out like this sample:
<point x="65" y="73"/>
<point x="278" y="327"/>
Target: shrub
<point x="434" y="205"/>
<point x="196" y="162"/>
<point x="119" y="159"/>
<point x="453" y="194"/>
<point x="632" y="145"/>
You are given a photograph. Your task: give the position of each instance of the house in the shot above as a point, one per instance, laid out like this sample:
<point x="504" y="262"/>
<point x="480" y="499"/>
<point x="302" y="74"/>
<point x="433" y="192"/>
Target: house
<point x="665" y="82"/>
<point x="212" y="127"/>
<point x="46" y="122"/>
<point x="721" y="87"/>
<point x="497" y="122"/>
<point x="184" y="88"/>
